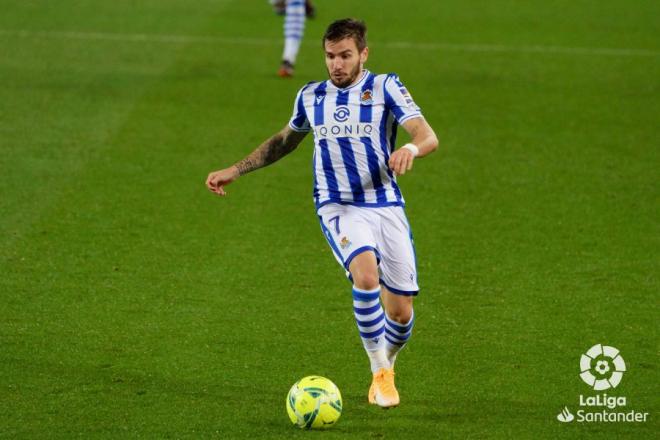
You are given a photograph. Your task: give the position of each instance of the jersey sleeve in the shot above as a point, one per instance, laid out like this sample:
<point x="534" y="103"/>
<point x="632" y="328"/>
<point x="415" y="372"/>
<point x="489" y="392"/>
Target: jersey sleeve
<point x="399" y="100"/>
<point x="299" y="121"/>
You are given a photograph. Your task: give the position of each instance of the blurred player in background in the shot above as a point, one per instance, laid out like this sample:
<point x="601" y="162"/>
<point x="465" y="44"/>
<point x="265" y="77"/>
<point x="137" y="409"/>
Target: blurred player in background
<point x="354" y="117"/>
<point x="295" y="12"/>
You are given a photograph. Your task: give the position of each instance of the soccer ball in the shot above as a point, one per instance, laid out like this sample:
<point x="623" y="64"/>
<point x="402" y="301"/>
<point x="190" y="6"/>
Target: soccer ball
<point x="314" y="402"/>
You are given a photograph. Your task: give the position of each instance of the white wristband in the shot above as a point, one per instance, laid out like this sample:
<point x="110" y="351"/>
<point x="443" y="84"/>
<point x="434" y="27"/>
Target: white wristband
<point x="413" y="149"/>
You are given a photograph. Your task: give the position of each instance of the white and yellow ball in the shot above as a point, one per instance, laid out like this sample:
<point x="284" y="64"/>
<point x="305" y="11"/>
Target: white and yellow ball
<point x="314" y="402"/>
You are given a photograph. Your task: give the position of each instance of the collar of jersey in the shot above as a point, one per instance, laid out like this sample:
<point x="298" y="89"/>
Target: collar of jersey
<point x="365" y="73"/>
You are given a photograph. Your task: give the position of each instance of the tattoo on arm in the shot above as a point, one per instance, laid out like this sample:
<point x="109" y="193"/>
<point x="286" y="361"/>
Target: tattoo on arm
<point x="272" y="150"/>
<point x="245" y="166"/>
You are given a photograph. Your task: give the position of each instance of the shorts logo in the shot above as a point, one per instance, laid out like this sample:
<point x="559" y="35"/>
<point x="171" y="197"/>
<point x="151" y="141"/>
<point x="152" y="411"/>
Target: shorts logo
<point x="366" y="97"/>
<point x="342" y="114"/>
<point x="602" y="367"/>
<point x="345" y="243"/>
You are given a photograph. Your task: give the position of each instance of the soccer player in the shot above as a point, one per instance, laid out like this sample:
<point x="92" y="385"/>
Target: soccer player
<point x="295" y="12"/>
<point x="354" y="117"/>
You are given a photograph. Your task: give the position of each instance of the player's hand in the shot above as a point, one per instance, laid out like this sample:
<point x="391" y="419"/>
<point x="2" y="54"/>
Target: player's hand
<point x="217" y="180"/>
<point x="401" y="161"/>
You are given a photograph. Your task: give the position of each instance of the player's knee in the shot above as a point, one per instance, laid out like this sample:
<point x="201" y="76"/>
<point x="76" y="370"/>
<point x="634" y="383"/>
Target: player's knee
<point x="401" y="316"/>
<point x="366" y="280"/>
<point x="400" y="312"/>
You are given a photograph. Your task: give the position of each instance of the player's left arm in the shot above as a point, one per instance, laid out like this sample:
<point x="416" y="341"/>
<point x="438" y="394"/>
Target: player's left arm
<point x="423" y="141"/>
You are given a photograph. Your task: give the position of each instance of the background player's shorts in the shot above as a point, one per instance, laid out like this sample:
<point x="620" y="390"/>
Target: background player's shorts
<point x="351" y="230"/>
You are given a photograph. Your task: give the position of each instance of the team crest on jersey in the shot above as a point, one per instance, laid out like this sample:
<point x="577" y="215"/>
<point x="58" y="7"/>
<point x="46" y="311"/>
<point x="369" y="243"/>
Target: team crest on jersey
<point x="345" y="242"/>
<point x="366" y="97"/>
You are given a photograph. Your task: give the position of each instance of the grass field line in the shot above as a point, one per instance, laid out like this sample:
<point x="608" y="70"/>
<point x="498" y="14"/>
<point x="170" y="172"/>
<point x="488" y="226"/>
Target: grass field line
<point x="457" y="47"/>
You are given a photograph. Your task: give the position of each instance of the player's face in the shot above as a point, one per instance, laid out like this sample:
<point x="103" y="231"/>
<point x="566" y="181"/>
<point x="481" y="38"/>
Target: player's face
<point x="344" y="61"/>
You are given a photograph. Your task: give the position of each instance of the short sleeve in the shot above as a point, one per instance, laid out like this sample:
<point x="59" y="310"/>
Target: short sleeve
<point x="399" y="100"/>
<point x="299" y="121"/>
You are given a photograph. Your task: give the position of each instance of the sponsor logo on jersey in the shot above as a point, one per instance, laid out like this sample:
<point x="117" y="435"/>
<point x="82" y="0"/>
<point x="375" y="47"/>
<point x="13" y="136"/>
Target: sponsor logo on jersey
<point x="342" y="113"/>
<point x="345" y="130"/>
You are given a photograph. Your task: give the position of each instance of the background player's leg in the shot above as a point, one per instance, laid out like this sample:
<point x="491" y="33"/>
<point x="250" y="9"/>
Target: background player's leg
<point x="294" y="27"/>
<point x="399" y="321"/>
<point x="369" y="313"/>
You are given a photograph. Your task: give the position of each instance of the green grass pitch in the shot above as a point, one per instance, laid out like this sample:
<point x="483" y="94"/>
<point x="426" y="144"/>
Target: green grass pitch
<point x="134" y="303"/>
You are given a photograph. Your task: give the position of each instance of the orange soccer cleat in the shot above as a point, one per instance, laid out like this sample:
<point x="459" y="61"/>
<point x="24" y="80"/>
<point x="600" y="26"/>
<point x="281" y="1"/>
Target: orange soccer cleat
<point x="383" y="392"/>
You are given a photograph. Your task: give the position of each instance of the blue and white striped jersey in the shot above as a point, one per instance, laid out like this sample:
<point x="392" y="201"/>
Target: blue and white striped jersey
<point x="354" y="134"/>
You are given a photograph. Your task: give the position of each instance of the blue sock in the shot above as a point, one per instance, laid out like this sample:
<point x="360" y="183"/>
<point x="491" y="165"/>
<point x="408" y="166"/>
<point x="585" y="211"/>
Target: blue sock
<point x="396" y="336"/>
<point x="370" y="319"/>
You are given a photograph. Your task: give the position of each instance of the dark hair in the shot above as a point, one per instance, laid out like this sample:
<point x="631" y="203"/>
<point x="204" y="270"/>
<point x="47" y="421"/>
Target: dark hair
<point x="347" y="28"/>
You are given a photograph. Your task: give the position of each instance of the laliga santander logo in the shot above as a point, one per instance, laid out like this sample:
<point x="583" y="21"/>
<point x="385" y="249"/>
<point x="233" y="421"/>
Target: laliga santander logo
<point x="602" y="367"/>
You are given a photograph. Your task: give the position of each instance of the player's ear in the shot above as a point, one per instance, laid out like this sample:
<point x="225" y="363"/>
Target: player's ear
<point x="364" y="55"/>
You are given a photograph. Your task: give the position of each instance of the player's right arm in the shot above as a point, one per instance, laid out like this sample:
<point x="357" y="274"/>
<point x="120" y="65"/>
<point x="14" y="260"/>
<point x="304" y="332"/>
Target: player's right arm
<point x="272" y="150"/>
